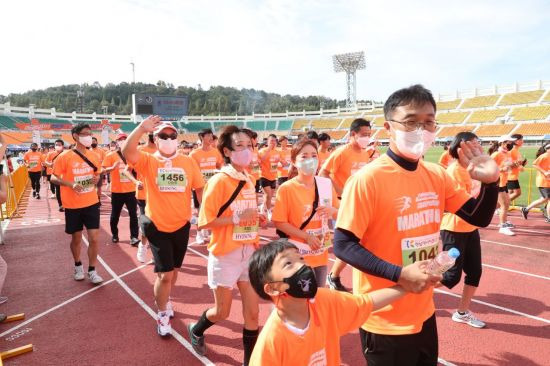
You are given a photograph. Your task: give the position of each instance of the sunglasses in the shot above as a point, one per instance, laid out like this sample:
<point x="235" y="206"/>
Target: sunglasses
<point x="164" y="136"/>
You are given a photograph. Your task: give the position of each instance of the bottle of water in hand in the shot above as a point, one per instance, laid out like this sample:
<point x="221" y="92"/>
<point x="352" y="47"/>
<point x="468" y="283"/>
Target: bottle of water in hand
<point x="443" y="262"/>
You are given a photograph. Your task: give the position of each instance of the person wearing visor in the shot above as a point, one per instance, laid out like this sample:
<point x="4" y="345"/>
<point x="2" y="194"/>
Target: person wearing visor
<point x="389" y="229"/>
<point x="342" y="164"/>
<point x="123" y="191"/>
<point x="307" y="321"/>
<point x="168" y="178"/>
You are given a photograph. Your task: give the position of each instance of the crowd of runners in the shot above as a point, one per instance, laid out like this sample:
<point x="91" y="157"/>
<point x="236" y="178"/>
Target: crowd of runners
<point x="383" y="214"/>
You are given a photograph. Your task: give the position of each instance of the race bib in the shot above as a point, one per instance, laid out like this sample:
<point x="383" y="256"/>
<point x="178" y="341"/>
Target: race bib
<point x="32" y="164"/>
<point x="86" y="181"/>
<point x="122" y="177"/>
<point x="256" y="168"/>
<point x="246" y="232"/>
<point x="207" y="174"/>
<point x="419" y="248"/>
<point x="304" y="249"/>
<point x="273" y="167"/>
<point x="171" y="180"/>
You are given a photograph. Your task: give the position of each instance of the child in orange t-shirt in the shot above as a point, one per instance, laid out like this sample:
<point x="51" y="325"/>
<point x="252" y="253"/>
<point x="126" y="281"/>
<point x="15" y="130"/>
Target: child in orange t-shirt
<point x="306" y="325"/>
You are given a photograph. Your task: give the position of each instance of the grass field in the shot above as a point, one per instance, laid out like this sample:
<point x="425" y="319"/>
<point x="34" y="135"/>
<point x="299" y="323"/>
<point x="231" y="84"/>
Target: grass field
<point x="529" y="191"/>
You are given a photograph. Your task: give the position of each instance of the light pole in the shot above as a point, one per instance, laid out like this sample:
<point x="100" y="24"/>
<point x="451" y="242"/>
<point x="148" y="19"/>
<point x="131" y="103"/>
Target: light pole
<point x="133" y="72"/>
<point x="350" y="63"/>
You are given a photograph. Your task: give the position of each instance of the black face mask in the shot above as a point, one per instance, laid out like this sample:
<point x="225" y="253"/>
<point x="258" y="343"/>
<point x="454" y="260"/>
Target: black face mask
<point x="94" y="145"/>
<point x="509" y="146"/>
<point x="303" y="284"/>
<point x="34" y="148"/>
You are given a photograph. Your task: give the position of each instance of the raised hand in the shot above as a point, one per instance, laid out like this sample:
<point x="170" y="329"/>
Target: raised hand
<point x="150" y="123"/>
<point x="480" y="166"/>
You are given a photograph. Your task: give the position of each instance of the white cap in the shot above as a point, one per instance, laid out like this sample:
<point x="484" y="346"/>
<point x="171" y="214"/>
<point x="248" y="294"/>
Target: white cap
<point x="506" y="138"/>
<point x="164" y="125"/>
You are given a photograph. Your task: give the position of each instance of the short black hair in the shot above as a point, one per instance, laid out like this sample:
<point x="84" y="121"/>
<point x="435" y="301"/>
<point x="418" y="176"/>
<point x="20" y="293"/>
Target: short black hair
<point x="205" y="131"/>
<point x="517" y="136"/>
<point x="59" y="140"/>
<point x="259" y="267"/>
<point x="415" y="94"/>
<point x="357" y="124"/>
<point x="312" y="135"/>
<point x="323" y="136"/>
<point x="94" y="138"/>
<point x="455" y="144"/>
<point x="283" y="138"/>
<point x="272" y="135"/>
<point x="34" y="143"/>
<point x="226" y="141"/>
<point x="79" y="127"/>
<point x="252" y="134"/>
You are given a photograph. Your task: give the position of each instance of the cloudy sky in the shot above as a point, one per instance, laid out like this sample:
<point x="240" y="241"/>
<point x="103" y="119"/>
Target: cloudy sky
<point x="276" y="45"/>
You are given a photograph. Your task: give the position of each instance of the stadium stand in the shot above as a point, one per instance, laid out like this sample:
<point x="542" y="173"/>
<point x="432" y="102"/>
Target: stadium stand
<point x="451" y="104"/>
<point x="487" y="115"/>
<point x="521" y="97"/>
<point x="284" y="125"/>
<point x="218" y="125"/>
<point x="272" y="125"/>
<point x="347" y="122"/>
<point x="256" y="125"/>
<point x="479" y="102"/>
<point x="534" y="129"/>
<point x="300" y="123"/>
<point x="7" y="123"/>
<point x="451" y="131"/>
<point x="547" y="97"/>
<point x="381" y="134"/>
<point x="531" y="113"/>
<point x="451" y="117"/>
<point x="326" y="123"/>
<point x="494" y="130"/>
<point x="337" y="135"/>
<point x="196" y="126"/>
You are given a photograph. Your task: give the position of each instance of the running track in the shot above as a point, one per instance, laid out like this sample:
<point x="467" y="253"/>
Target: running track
<point x="71" y="322"/>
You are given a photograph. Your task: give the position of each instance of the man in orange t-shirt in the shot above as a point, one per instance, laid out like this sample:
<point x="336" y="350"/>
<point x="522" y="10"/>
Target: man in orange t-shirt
<point x="542" y="165"/>
<point x="269" y="161"/>
<point x="169" y="178"/>
<point x="324" y="145"/>
<point x="123" y="191"/>
<point x="389" y="227"/>
<point x="50" y="159"/>
<point x="101" y="155"/>
<point x="342" y="164"/>
<point x="284" y="163"/>
<point x="33" y="161"/>
<point x="77" y="172"/>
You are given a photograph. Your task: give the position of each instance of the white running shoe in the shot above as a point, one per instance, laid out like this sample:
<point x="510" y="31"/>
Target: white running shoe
<point x="510" y="225"/>
<point x="142" y="253"/>
<point x="163" y="324"/>
<point x="170" y="309"/>
<point x="194" y="220"/>
<point x="94" y="277"/>
<point x="469" y="319"/>
<point x="269" y="214"/>
<point x="199" y="239"/>
<point x="78" y="273"/>
<point x="52" y="196"/>
<point x="506" y="231"/>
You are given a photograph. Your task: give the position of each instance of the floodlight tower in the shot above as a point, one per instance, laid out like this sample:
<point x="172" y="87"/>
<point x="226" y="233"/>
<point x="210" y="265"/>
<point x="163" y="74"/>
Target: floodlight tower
<point x="350" y="63"/>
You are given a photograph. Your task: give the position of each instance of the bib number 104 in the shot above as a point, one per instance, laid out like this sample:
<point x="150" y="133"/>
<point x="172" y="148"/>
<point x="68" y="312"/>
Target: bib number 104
<point x="423" y="254"/>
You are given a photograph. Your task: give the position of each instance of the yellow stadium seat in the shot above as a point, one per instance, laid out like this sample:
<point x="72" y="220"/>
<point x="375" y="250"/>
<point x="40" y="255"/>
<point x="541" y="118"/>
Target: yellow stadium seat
<point x="337" y="135"/>
<point x="487" y="115"/>
<point x="381" y="134"/>
<point x="479" y="102"/>
<point x="521" y="97"/>
<point x="547" y="97"/>
<point x="299" y="124"/>
<point x="326" y="123"/>
<point x="451" y="117"/>
<point x="531" y="113"/>
<point x="452" y="104"/>
<point x="534" y="129"/>
<point x="451" y="131"/>
<point x="494" y="130"/>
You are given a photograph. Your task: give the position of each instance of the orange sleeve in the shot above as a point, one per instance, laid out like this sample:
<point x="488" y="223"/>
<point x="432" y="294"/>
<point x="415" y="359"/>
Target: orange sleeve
<point x="330" y="163"/>
<point x="108" y="161"/>
<point x="358" y="194"/>
<point x="220" y="158"/>
<point x="26" y="157"/>
<point x="351" y="310"/>
<point x="141" y="165"/>
<point x="280" y="210"/>
<point x="197" y="179"/>
<point x="455" y="196"/>
<point x="212" y="201"/>
<point x="59" y="165"/>
<point x="538" y="161"/>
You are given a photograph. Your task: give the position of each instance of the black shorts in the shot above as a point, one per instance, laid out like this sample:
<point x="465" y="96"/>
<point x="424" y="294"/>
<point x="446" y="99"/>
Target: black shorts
<point x="513" y="184"/>
<point x="469" y="261"/>
<point x="49" y="177"/>
<point x="544" y="192"/>
<point x="168" y="248"/>
<point x="281" y="180"/>
<point x="141" y="205"/>
<point x="503" y="189"/>
<point x="402" y="350"/>
<point x="258" y="187"/>
<point x="268" y="183"/>
<point x="78" y="218"/>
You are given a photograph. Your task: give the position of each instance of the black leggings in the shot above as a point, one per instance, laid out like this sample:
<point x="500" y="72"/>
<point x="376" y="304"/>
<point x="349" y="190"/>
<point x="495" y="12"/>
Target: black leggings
<point x="35" y="180"/>
<point x="469" y="260"/>
<point x="118" y="201"/>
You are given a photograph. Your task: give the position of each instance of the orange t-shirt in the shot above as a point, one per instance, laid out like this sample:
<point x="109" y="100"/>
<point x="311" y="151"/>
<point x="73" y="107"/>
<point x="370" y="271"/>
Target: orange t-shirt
<point x="100" y="153"/>
<point x="452" y="222"/>
<point x="344" y="162"/>
<point x="396" y="213"/>
<point x="284" y="164"/>
<point x="270" y="163"/>
<point x="254" y="168"/>
<point x="140" y="193"/>
<point x="71" y="167"/>
<point x="120" y="183"/>
<point x="516" y="157"/>
<point x="502" y="158"/>
<point x="168" y="184"/>
<point x="543" y="162"/>
<point x="293" y="204"/>
<point x="225" y="239"/>
<point x="322" y="156"/>
<point x="445" y="159"/>
<point x="208" y="161"/>
<point x="49" y="158"/>
<point x="332" y="315"/>
<point x="34" y="160"/>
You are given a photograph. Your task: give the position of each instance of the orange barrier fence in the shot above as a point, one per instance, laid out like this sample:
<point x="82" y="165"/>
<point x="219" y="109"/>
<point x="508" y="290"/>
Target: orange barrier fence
<point x="17" y="182"/>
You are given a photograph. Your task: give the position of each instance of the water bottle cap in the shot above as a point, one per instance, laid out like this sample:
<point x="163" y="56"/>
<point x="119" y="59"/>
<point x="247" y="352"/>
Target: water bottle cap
<point x="454" y="253"/>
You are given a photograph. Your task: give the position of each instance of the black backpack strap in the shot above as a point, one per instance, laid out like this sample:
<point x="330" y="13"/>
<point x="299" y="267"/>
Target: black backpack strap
<point x="305" y="223"/>
<point x="134" y="174"/>
<point x="86" y="160"/>
<point x="232" y="198"/>
<point x="55" y="157"/>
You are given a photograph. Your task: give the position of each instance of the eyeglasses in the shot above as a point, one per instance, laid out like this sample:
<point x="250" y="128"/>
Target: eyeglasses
<point x="164" y="136"/>
<point x="414" y="125"/>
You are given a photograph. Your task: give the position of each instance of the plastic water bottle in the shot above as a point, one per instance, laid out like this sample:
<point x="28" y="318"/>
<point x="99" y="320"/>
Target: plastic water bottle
<point x="443" y="262"/>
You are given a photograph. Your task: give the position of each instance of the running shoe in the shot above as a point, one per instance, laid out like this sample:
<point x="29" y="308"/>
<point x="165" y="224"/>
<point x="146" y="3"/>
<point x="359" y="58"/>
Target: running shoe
<point x="142" y="253"/>
<point x="199" y="239"/>
<point x="164" y="328"/>
<point x="506" y="230"/>
<point x="269" y="214"/>
<point x="335" y="284"/>
<point x="524" y="212"/>
<point x="197" y="342"/>
<point x="3" y="299"/>
<point x="510" y="225"/>
<point x="78" y="273"/>
<point x="34" y="193"/>
<point x="115" y="239"/>
<point x="469" y="319"/>
<point x="52" y="196"/>
<point x="170" y="309"/>
<point x="94" y="277"/>
<point x="38" y="196"/>
<point x="61" y="209"/>
<point x="134" y="242"/>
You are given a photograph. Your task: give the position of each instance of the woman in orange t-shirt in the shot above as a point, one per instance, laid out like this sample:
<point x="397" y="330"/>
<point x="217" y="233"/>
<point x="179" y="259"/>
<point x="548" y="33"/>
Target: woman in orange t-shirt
<point x="500" y="152"/>
<point x="542" y="165"/>
<point x="230" y="211"/>
<point x="295" y="200"/>
<point x="445" y="159"/>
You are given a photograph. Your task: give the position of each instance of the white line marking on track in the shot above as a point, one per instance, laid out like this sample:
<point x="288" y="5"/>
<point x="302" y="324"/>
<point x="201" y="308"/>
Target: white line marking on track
<point x="446" y="363"/>
<point x="525" y="230"/>
<point x="514" y="271"/>
<point x="147" y="309"/>
<point x="516" y="246"/>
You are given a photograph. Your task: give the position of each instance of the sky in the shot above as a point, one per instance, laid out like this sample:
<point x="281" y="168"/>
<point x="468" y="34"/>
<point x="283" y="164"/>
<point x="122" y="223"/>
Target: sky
<point x="281" y="46"/>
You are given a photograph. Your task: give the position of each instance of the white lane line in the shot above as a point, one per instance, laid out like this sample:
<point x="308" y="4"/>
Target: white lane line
<point x="446" y="363"/>
<point x="525" y="230"/>
<point x="44" y="313"/>
<point x="139" y="300"/>
<point x="516" y="246"/>
<point x="518" y="272"/>
<point x="497" y="307"/>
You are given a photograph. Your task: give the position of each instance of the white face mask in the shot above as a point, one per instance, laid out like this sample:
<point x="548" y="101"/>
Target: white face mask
<point x="85" y="140"/>
<point x="363" y="141"/>
<point x="58" y="148"/>
<point x="414" y="144"/>
<point x="168" y="146"/>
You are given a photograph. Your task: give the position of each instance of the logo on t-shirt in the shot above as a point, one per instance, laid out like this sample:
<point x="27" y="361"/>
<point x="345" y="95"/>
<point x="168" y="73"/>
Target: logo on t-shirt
<point x="403" y="203"/>
<point x="426" y="207"/>
<point x="318" y="358"/>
